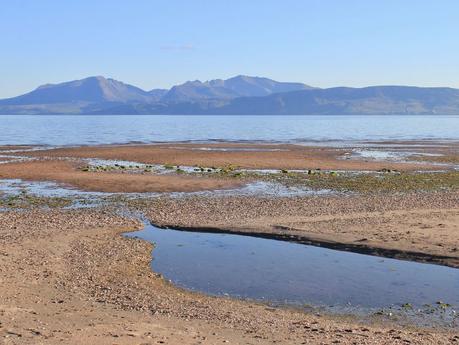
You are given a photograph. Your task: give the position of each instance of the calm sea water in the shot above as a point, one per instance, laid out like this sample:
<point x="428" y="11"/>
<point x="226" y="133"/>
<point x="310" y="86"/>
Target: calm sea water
<point x="87" y="130"/>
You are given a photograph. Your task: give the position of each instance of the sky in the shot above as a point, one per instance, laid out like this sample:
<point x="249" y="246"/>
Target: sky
<point x="156" y="44"/>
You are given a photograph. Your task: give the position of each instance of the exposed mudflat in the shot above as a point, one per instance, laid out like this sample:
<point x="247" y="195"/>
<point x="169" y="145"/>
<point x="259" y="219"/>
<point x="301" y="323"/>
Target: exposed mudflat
<point x="251" y="156"/>
<point x="224" y="165"/>
<point x="67" y="173"/>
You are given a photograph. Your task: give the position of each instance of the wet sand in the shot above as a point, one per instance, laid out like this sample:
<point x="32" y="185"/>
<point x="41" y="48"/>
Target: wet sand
<point x="255" y="156"/>
<point x="68" y="173"/>
<point x="81" y="282"/>
<point x="5" y="159"/>
<point x="68" y="276"/>
<point x="64" y="165"/>
<point x="15" y="147"/>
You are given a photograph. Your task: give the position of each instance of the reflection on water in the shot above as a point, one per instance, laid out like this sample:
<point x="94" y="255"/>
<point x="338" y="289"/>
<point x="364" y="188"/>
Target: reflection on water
<point x="284" y="272"/>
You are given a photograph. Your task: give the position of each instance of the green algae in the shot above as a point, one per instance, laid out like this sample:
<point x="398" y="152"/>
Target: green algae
<point x="387" y="182"/>
<point x="25" y="200"/>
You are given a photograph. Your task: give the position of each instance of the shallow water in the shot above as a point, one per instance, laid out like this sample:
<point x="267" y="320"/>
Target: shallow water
<point x="52" y="189"/>
<point x="92" y="129"/>
<point x="289" y="273"/>
<point x="382" y="155"/>
<point x="43" y="189"/>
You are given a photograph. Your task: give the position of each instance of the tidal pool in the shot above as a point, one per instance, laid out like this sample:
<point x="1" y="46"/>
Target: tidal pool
<point x="281" y="272"/>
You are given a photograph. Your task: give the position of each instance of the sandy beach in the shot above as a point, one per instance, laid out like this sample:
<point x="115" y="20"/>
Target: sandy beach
<point x="69" y="276"/>
<point x="68" y="173"/>
<point x="66" y="165"/>
<point x="229" y="172"/>
<point x="81" y="282"/>
<point x="417" y="227"/>
<point x="251" y="156"/>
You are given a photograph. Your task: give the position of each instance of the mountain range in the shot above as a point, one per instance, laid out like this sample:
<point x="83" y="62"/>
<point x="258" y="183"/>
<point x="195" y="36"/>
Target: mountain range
<point x="240" y="95"/>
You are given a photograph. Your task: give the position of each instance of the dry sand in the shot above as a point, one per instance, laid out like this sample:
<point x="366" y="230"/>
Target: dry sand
<point x="69" y="277"/>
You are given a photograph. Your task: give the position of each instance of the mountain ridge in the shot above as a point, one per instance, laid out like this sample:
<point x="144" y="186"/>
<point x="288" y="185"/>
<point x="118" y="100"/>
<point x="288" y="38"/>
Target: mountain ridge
<point x="240" y="95"/>
<point x="239" y="86"/>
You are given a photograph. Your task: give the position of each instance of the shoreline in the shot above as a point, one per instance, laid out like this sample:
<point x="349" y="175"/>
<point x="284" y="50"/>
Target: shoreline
<point x="112" y="275"/>
<point x="329" y="243"/>
<point x="240" y="154"/>
<point x="77" y="262"/>
<point x="417" y="226"/>
<point x="231" y="165"/>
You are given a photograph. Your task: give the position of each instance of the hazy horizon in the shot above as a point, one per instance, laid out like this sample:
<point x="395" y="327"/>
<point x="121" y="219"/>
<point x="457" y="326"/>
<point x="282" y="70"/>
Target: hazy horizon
<point x="204" y="81"/>
<point x="158" y="45"/>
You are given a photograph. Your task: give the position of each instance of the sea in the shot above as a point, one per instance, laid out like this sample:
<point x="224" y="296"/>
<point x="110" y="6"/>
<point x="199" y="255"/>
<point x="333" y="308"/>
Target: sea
<point x="67" y="130"/>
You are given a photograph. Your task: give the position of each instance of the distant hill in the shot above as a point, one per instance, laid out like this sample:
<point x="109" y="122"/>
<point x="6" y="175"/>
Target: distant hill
<point x="240" y="95"/>
<point x="396" y="100"/>
<point x="92" y="89"/>
<point x="74" y="97"/>
<point x="218" y="89"/>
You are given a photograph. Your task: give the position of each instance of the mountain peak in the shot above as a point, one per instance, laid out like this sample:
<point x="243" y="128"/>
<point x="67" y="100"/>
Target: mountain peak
<point x="90" y="89"/>
<point x="242" y="77"/>
<point x="238" y="86"/>
<point x="245" y="77"/>
<point x="240" y="95"/>
<point x="99" y="79"/>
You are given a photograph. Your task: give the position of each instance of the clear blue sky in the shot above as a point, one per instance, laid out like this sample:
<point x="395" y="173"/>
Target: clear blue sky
<point x="160" y="43"/>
